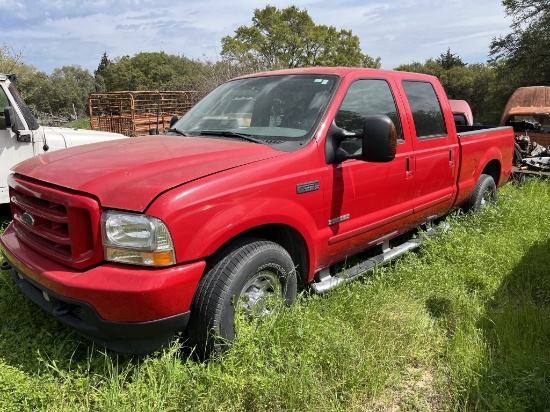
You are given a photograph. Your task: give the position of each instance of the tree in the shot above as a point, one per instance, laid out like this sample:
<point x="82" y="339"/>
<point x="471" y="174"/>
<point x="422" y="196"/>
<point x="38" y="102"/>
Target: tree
<point x="287" y="38"/>
<point x="31" y="83"/>
<point x="99" y="73"/>
<point x="430" y="66"/>
<point x="526" y="50"/>
<point x="10" y="59"/>
<point x="34" y="88"/>
<point x="11" y="62"/>
<point x="68" y="89"/>
<point x="475" y="83"/>
<point x="150" y="71"/>
<point x="449" y="60"/>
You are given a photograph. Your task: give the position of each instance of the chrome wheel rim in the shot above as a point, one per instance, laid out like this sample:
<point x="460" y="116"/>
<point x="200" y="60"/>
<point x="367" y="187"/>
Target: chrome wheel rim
<point x="261" y="295"/>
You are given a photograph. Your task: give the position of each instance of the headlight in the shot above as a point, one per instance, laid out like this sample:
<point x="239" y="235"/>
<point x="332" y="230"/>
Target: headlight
<point x="136" y="239"/>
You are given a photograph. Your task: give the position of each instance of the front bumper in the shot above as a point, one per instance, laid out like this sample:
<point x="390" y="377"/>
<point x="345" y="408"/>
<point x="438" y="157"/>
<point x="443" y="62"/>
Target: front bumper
<point x="125" y="308"/>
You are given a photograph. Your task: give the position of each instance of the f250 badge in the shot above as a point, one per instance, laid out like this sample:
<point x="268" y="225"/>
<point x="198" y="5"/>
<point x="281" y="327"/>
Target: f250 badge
<point x="28" y="219"/>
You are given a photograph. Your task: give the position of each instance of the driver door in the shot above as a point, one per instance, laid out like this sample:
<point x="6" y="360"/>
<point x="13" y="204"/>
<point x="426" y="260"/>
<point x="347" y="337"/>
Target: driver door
<point x="368" y="202"/>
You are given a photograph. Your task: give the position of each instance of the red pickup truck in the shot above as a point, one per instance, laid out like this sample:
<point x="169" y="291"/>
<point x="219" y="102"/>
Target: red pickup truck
<point x="259" y="191"/>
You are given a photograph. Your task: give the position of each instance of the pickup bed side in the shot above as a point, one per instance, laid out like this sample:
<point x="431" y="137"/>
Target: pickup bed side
<point x="485" y="151"/>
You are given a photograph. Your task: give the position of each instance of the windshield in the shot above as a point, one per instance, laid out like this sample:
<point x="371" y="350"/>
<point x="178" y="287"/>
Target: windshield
<point x="539" y="122"/>
<point x="31" y="120"/>
<point x="282" y="111"/>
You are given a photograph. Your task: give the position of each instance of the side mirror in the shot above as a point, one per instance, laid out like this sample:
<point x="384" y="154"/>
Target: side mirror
<point x="14" y="122"/>
<point x="379" y="139"/>
<point x="9" y="114"/>
<point x="173" y="120"/>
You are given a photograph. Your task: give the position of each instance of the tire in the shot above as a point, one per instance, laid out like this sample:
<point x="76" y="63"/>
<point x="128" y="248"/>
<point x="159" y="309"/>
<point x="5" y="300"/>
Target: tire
<point x="484" y="194"/>
<point x="254" y="276"/>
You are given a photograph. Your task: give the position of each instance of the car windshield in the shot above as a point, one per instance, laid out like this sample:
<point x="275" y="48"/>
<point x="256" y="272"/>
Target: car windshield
<point x="537" y="122"/>
<point x="281" y="110"/>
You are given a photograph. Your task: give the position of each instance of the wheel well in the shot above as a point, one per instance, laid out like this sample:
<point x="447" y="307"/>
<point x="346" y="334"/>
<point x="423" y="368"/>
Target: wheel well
<point x="290" y="239"/>
<point x="492" y="169"/>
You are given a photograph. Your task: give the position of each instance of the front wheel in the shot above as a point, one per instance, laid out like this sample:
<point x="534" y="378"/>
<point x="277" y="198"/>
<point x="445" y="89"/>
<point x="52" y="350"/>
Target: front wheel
<point x="484" y="194"/>
<point x="251" y="277"/>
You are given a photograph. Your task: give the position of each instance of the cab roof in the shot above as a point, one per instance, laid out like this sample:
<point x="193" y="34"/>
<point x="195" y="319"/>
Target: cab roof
<point x="339" y="71"/>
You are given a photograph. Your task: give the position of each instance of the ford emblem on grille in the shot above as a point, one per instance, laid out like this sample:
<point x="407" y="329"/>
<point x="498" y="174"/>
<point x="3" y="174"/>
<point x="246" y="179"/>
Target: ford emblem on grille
<point x="28" y="219"/>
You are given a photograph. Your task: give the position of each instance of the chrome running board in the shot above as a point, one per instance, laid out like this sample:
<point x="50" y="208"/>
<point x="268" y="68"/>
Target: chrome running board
<point x="326" y="281"/>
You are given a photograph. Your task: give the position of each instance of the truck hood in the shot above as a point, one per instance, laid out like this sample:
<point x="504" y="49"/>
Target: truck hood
<point x="62" y="137"/>
<point x="130" y="173"/>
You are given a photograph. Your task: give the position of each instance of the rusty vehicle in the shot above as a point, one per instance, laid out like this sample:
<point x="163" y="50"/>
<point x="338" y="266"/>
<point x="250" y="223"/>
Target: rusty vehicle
<point x="138" y="113"/>
<point x="528" y="112"/>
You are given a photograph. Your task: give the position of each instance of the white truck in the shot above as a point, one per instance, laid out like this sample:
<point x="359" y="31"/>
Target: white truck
<point x="22" y="137"/>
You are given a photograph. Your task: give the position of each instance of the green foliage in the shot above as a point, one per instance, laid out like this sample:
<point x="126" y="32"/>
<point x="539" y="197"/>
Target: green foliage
<point x="520" y="58"/>
<point x="11" y="62"/>
<point x="99" y="73"/>
<point x="65" y="91"/>
<point x="287" y="38"/>
<point x="82" y="123"/>
<point x="449" y="60"/>
<point x="461" y="324"/>
<point x="476" y="83"/>
<point x="525" y="50"/>
<point x="30" y="81"/>
<point x="69" y="88"/>
<point x="148" y="71"/>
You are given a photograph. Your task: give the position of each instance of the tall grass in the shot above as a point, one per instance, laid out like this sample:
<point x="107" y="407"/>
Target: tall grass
<point x="461" y="324"/>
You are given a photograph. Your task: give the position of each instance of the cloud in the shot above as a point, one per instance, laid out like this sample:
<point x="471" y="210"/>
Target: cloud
<point x="54" y="33"/>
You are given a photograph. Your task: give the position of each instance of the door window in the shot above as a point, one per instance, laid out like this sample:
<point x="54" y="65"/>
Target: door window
<point x="363" y="98"/>
<point x="426" y="110"/>
<point x="4" y="102"/>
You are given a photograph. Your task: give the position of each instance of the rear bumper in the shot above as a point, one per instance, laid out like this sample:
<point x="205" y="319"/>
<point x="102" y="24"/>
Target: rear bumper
<point x="125" y="308"/>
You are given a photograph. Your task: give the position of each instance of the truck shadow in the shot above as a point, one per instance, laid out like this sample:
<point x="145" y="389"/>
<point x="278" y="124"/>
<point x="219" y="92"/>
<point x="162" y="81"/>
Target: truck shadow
<point x="514" y="374"/>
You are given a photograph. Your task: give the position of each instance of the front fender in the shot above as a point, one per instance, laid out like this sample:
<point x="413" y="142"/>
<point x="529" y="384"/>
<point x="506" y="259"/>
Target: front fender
<point x="199" y="230"/>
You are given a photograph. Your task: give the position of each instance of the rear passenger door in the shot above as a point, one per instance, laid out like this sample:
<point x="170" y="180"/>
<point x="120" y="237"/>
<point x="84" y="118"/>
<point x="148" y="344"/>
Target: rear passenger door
<point x="436" y="151"/>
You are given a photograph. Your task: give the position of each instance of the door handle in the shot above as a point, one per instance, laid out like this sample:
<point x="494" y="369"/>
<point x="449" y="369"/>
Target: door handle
<point x="408" y="170"/>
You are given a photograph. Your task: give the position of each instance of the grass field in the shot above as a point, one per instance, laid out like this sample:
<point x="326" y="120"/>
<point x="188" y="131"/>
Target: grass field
<point x="82" y="123"/>
<point x="462" y="324"/>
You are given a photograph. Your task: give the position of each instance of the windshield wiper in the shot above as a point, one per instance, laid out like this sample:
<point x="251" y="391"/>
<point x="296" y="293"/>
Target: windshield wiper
<point x="177" y="131"/>
<point x="228" y="133"/>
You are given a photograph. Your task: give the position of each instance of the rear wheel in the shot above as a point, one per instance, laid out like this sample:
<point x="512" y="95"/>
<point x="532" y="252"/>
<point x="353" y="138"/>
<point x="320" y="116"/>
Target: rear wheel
<point x="250" y="277"/>
<point x="484" y="194"/>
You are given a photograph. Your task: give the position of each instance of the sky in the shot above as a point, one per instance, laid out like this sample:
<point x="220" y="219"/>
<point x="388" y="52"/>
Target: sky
<point x="55" y="33"/>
